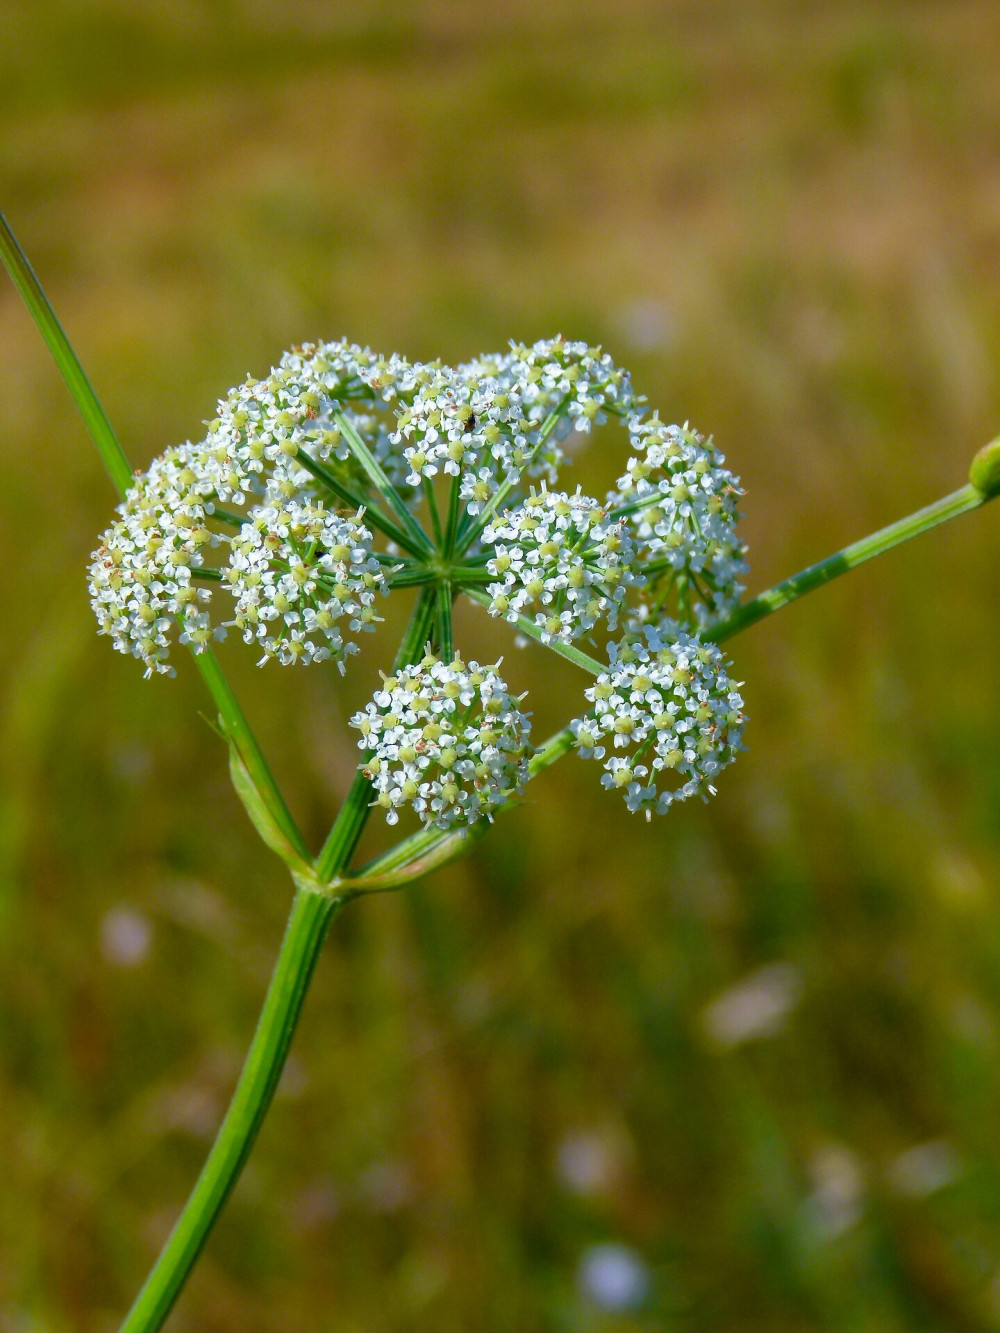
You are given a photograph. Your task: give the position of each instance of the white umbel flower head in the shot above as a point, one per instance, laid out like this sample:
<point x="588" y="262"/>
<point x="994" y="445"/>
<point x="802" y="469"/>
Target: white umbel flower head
<point x="669" y="713"/>
<point x="141" y="587"/>
<point x="683" y="514"/>
<point x="560" y="556"/>
<point x="301" y="576"/>
<point x="446" y="738"/>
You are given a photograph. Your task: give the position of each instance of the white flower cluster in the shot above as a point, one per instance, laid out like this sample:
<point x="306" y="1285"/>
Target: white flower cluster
<point x="682" y="504"/>
<point x="447" y="739"/>
<point x="294" y="569"/>
<point x="485" y="421"/>
<point x="141" y="574"/>
<point x="561" y="554"/>
<point x="297" y="571"/>
<point x="670" y="709"/>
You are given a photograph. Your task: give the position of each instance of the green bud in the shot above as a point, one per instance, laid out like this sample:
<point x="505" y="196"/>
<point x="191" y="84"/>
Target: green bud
<point x="985" y="470"/>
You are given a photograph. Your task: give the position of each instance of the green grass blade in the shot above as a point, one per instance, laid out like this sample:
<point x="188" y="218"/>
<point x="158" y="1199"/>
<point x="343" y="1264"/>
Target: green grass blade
<point x="101" y="430"/>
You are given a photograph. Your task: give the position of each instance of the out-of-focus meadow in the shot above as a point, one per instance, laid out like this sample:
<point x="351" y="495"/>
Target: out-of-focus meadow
<point x="736" y="1070"/>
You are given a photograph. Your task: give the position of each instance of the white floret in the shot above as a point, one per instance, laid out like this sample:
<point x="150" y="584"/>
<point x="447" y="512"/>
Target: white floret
<point x="301" y="577"/>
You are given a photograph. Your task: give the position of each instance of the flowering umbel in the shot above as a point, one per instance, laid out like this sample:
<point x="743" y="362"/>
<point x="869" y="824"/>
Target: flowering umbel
<point x="446" y="738"/>
<point x="670" y="714"/>
<point x="342" y="476"/>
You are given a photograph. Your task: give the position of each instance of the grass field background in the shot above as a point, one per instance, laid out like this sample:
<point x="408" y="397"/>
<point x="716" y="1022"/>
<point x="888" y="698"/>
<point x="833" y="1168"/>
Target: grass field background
<point x="757" y="1044"/>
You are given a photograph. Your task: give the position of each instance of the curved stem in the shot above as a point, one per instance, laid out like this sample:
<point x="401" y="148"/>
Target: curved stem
<point x="304" y="935"/>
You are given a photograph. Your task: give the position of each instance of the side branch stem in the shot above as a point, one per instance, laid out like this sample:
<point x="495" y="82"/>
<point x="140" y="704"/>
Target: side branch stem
<point x="962" y="501"/>
<point x="430" y="848"/>
<point x="418" y="538"/>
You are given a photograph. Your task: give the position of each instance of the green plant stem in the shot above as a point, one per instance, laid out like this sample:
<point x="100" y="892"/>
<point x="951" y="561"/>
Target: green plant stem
<point x="372" y="513"/>
<point x="432" y="509"/>
<point x="462" y="574"/>
<point x="568" y="650"/>
<point x="468" y="533"/>
<point x="233" y="720"/>
<point x="413" y="576"/>
<point x="308" y="923"/>
<point x="102" y="433"/>
<point x="951" y="506"/>
<point x="454" y="518"/>
<point x="446" y="639"/>
<point x="382" y="483"/>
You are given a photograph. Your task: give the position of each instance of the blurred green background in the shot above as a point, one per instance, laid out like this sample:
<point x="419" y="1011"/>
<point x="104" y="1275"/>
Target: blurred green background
<point x="737" y="1070"/>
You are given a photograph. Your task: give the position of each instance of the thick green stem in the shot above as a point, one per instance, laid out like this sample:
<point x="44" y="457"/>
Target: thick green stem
<point x="23" y="276"/>
<point x="304" y="935"/>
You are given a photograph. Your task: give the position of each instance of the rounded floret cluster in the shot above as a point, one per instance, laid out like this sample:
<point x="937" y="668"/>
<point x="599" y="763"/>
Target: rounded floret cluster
<point x="682" y="505"/>
<point x="670" y="714"/>
<point x="141" y="575"/>
<point x="309" y="409"/>
<point x="562" y="557"/>
<point x="298" y="572"/>
<point x="493" y="420"/>
<point x="447" y="739"/>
